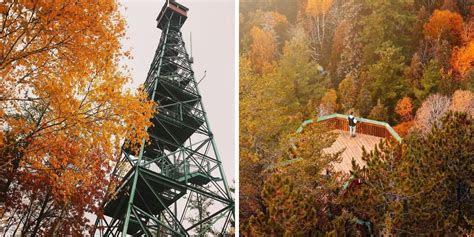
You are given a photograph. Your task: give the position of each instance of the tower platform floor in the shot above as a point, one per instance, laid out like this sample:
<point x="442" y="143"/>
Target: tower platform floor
<point x="353" y="148"/>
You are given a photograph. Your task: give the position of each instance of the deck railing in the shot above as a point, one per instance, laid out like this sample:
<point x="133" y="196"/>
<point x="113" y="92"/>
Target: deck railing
<point x="364" y="126"/>
<point x="340" y="122"/>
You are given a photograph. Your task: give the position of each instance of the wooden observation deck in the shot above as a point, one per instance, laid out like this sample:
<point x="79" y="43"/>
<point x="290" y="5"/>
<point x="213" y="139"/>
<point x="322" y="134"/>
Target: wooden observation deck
<point x="369" y="133"/>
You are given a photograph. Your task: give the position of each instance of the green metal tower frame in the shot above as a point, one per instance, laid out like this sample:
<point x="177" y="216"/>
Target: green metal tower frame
<point x="180" y="160"/>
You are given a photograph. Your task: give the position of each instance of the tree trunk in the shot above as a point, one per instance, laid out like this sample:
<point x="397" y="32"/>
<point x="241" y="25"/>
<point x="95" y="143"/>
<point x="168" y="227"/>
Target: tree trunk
<point x="60" y="220"/>
<point x="40" y="216"/>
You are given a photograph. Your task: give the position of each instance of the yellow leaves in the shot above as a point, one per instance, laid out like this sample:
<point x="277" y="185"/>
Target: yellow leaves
<point x="263" y="48"/>
<point x="66" y="98"/>
<point x="318" y="7"/>
<point x="462" y="59"/>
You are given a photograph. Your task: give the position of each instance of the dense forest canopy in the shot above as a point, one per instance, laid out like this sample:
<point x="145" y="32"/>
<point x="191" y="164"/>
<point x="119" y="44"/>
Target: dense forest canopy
<point x="405" y="62"/>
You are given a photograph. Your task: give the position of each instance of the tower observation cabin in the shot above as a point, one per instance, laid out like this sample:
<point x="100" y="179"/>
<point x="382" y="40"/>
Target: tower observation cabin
<point x="172" y="12"/>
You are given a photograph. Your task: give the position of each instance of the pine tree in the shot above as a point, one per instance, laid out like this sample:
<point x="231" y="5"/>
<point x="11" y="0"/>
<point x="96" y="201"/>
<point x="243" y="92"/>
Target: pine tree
<point x="424" y="182"/>
<point x="298" y="199"/>
<point x="200" y="204"/>
<point x="387" y="20"/>
<point x="288" y="211"/>
<point x="347" y="93"/>
<point x="364" y="101"/>
<point x="302" y="77"/>
<point x="430" y="80"/>
<point x="439" y="177"/>
<point x="379" y="112"/>
<point x="386" y="76"/>
<point x="351" y="55"/>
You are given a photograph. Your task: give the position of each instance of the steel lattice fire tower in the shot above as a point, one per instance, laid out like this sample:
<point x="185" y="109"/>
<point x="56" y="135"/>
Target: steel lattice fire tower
<point x="180" y="162"/>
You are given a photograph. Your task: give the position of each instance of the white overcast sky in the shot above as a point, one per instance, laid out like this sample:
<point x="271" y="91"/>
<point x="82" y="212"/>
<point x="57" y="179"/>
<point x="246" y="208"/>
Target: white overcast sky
<point x="212" y="25"/>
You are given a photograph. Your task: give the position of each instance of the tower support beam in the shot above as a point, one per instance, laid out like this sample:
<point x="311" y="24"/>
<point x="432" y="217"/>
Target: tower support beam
<point x="180" y="162"/>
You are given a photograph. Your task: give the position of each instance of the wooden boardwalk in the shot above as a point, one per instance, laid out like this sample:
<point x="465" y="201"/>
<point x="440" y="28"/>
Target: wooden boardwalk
<point x="353" y="148"/>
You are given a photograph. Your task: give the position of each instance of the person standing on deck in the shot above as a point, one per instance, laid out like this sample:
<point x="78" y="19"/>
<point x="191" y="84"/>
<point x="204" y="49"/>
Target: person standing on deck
<point x="352" y="124"/>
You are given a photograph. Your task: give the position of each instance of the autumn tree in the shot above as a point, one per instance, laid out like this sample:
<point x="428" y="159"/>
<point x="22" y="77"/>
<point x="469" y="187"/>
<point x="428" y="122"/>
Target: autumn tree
<point x="263" y="48"/>
<point x="462" y="60"/>
<point x="318" y="10"/>
<point x="429" y="5"/>
<point x="462" y="101"/>
<point x="414" y="71"/>
<point x="271" y="105"/>
<point x="444" y="24"/>
<point x="404" y="108"/>
<point x="278" y="15"/>
<point x="328" y="103"/>
<point x="288" y="9"/>
<point x="64" y="109"/>
<point x="250" y="139"/>
<point x="278" y="25"/>
<point x="404" y="128"/>
<point x="431" y="111"/>
<point x="269" y="21"/>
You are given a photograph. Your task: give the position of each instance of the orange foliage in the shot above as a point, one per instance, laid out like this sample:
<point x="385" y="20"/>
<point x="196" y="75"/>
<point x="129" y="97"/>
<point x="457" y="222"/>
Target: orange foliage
<point x="263" y="48"/>
<point x="338" y="43"/>
<point x="62" y="100"/>
<point x="444" y="23"/>
<point x="404" y="108"/>
<point x="403" y="128"/>
<point x="328" y="103"/>
<point x="462" y="59"/>
<point x="277" y="20"/>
